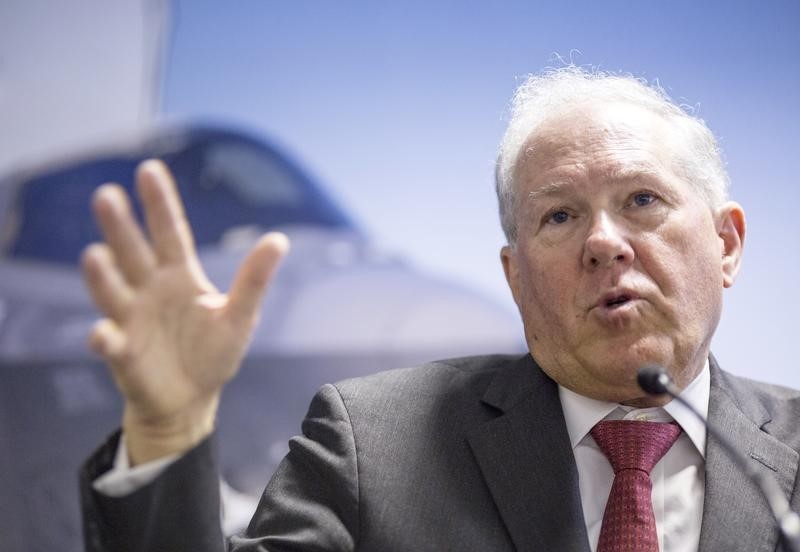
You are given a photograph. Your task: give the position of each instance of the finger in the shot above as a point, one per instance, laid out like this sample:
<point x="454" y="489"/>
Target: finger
<point x="166" y="221"/>
<point x="108" y="341"/>
<point x="121" y="231"/>
<point x="253" y="277"/>
<point x="107" y="286"/>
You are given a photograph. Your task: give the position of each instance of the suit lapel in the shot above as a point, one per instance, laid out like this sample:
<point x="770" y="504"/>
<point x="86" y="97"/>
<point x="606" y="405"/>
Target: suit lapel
<point x="527" y="461"/>
<point x="735" y="515"/>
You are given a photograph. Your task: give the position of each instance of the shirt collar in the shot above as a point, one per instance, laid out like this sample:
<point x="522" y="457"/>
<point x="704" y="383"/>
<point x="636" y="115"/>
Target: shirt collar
<point x="582" y="413"/>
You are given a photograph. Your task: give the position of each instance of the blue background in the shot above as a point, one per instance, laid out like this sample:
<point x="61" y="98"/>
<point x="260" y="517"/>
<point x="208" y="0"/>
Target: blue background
<point x="398" y="108"/>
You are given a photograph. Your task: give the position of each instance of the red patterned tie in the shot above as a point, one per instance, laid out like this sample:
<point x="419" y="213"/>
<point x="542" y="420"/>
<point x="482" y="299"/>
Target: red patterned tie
<point x="633" y="449"/>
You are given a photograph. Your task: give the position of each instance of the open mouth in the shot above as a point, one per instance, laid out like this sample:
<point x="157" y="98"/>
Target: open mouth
<point x="617" y="301"/>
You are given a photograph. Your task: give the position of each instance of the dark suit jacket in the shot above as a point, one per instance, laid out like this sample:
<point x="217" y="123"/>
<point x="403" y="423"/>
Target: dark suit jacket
<point x="466" y="454"/>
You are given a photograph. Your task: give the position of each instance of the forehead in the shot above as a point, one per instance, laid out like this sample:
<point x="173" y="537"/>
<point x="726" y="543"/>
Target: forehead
<point x="599" y="142"/>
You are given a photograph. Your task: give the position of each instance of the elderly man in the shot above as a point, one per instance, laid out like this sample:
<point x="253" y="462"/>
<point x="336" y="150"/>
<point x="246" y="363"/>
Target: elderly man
<point x="620" y="242"/>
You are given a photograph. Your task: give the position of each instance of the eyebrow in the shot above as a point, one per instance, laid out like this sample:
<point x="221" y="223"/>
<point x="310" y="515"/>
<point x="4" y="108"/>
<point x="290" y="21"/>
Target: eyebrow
<point x="634" y="172"/>
<point x="549" y="189"/>
<point x="619" y="174"/>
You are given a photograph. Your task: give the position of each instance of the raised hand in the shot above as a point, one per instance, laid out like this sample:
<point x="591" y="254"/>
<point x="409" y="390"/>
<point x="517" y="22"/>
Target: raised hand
<point x="171" y="339"/>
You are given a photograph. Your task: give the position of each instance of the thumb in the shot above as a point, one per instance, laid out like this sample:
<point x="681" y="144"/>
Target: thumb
<point x="254" y="276"/>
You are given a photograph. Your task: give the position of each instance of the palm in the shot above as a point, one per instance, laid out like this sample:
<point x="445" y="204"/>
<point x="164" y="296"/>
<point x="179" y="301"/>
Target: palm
<point x="172" y="340"/>
<point x="186" y="346"/>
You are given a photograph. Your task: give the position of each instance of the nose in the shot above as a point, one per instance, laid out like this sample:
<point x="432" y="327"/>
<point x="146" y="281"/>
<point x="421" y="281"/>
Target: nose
<point x="606" y="245"/>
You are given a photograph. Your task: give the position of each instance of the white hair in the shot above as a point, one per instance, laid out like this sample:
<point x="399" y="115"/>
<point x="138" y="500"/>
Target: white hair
<point x="556" y="91"/>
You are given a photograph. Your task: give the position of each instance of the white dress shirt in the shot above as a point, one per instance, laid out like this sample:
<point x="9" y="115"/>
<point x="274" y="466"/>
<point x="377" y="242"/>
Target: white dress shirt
<point x="678" y="478"/>
<point x="122" y="479"/>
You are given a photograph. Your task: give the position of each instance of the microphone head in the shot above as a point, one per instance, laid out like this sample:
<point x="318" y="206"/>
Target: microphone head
<point x="653" y="379"/>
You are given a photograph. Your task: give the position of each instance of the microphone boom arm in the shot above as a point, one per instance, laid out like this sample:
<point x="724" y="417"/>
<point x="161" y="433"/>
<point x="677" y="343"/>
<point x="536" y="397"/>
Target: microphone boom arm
<point x="655" y="381"/>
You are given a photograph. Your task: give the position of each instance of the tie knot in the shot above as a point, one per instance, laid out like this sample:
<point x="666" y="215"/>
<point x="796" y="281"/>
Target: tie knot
<point x="634" y="445"/>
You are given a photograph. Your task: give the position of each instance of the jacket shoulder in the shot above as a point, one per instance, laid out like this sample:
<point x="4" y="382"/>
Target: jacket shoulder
<point x="780" y="403"/>
<point x="766" y="393"/>
<point x="447" y="376"/>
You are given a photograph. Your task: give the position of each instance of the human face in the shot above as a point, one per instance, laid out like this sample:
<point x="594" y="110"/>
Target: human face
<point x="619" y="262"/>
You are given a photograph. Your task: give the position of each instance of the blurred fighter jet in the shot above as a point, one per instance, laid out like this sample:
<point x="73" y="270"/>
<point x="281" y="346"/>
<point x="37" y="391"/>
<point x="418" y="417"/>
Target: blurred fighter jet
<point x="338" y="308"/>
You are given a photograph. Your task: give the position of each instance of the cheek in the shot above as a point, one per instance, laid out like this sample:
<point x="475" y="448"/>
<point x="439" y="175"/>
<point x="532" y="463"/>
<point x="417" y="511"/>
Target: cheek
<point x="545" y="299"/>
<point x="704" y="283"/>
<point x="687" y="271"/>
<point x="682" y="254"/>
<point x="702" y="259"/>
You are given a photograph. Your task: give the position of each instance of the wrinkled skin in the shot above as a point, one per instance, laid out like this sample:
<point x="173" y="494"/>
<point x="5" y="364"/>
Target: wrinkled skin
<point x="619" y="262"/>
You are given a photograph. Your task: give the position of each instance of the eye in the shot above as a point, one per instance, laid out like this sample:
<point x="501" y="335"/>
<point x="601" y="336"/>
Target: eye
<point x="643" y="199"/>
<point x="558" y="217"/>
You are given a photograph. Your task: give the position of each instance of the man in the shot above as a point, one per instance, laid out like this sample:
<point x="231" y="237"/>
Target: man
<point x="620" y="242"/>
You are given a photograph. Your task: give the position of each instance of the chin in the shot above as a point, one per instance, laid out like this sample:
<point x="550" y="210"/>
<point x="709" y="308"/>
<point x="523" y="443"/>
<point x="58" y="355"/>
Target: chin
<point x="627" y="364"/>
<point x="646" y="350"/>
<point x="619" y="371"/>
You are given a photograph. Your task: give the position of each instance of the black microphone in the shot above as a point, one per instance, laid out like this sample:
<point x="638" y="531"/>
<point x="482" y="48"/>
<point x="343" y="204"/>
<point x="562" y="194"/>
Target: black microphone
<point x="654" y="380"/>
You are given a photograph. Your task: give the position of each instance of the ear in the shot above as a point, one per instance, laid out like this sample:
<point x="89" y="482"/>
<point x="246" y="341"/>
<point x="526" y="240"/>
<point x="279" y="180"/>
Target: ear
<point x="731" y="230"/>
<point x="509" y="259"/>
